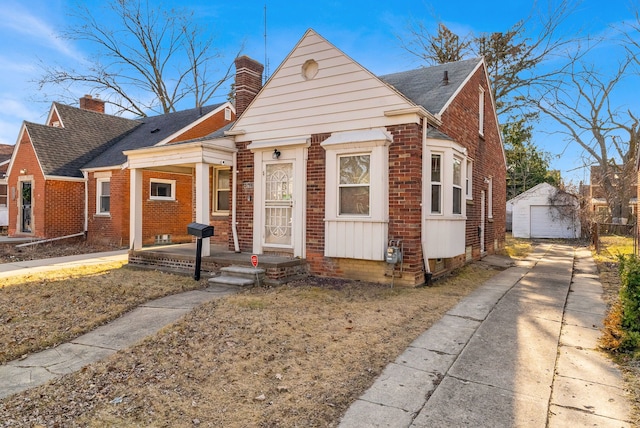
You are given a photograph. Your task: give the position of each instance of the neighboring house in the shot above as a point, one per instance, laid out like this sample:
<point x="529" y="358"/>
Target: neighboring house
<point x="332" y="164"/>
<point x="598" y="205"/>
<point x="56" y="168"/>
<point x="5" y="157"/>
<point x="544" y="211"/>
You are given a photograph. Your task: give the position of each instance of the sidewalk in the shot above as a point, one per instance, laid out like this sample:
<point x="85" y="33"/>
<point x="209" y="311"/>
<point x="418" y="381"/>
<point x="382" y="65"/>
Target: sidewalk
<point x="45" y="265"/>
<point x="520" y="351"/>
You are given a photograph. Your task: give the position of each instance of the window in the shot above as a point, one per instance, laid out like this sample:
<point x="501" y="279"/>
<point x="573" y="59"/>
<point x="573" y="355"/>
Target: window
<point x="354" y="185"/>
<point x="436" y="184"/>
<point x="468" y="180"/>
<point x="490" y="197"/>
<point x="221" y="190"/>
<point x="227" y="113"/>
<point x="457" y="185"/>
<point x="103" y="195"/>
<point x="3" y="195"/>
<point x="481" y="111"/>
<point x="163" y="189"/>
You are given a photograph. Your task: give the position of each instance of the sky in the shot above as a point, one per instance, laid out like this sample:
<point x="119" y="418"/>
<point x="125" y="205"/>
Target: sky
<point x="367" y="31"/>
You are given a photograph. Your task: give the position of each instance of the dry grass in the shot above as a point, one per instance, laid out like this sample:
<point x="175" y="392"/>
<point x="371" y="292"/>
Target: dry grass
<point x="42" y="310"/>
<point x="517" y="248"/>
<point x="296" y="355"/>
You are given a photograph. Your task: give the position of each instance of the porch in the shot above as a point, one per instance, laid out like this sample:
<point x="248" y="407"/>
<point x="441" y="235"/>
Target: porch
<point x="181" y="258"/>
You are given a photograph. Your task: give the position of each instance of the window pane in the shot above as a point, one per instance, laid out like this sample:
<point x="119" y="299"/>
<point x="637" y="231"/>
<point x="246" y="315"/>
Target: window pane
<point x="457" y="200"/>
<point x="354" y="169"/>
<point x="105" y="202"/>
<point x="435" y="168"/>
<point x="354" y="200"/>
<point x="223" y="179"/>
<point x="457" y="172"/>
<point x="223" y="200"/>
<point x="105" y="188"/>
<point x="162" y="190"/>
<point x="435" y="198"/>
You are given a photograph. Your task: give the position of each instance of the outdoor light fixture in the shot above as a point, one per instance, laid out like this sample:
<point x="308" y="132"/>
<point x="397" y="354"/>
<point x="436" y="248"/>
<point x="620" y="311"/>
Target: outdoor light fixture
<point x="23" y="171"/>
<point x="276" y="154"/>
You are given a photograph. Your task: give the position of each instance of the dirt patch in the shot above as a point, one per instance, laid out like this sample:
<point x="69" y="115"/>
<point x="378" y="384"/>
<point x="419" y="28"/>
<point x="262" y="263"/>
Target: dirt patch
<point x="296" y="355"/>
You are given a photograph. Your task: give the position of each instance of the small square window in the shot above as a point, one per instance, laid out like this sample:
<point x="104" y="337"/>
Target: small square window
<point x="163" y="189"/>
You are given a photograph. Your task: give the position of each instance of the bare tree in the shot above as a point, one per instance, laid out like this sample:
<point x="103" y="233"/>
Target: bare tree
<point x="582" y="106"/>
<point x="150" y="59"/>
<point x="513" y="57"/>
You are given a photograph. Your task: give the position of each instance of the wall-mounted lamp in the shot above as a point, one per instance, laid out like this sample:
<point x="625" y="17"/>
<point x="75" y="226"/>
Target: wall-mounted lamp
<point x="23" y="171"/>
<point x="276" y="154"/>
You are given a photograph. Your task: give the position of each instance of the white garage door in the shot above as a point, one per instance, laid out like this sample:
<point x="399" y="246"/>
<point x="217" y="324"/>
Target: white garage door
<point x="547" y="223"/>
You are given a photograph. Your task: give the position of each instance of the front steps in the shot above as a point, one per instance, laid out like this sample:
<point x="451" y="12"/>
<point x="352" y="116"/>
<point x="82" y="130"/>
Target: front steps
<point x="239" y="276"/>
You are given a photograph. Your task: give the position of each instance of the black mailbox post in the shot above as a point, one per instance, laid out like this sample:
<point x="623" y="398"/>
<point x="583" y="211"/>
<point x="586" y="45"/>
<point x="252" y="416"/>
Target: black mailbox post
<point x="200" y="231"/>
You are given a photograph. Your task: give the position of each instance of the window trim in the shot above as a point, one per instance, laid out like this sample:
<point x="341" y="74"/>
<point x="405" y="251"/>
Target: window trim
<point x="490" y="197"/>
<point x="454" y="186"/>
<point x="215" y="189"/>
<point x="99" y="195"/>
<point x="172" y="183"/>
<point x="437" y="184"/>
<point x="469" y="180"/>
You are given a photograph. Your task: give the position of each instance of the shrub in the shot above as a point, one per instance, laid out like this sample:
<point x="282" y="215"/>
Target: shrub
<point x="629" y="269"/>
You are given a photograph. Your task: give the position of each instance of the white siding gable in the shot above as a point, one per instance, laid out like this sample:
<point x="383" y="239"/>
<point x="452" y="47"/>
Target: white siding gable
<point x="342" y="96"/>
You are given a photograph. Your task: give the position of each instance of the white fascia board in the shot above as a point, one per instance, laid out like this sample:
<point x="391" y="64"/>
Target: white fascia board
<point x="63" y="178"/>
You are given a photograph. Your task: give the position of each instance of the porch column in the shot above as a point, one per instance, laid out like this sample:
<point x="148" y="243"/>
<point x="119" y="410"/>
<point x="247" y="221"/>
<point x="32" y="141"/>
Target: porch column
<point x="202" y="201"/>
<point x="135" y="209"/>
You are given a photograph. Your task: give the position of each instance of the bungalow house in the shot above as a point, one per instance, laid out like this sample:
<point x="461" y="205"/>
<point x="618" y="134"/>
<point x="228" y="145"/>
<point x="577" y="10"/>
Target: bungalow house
<point x="349" y="171"/>
<point x="68" y="176"/>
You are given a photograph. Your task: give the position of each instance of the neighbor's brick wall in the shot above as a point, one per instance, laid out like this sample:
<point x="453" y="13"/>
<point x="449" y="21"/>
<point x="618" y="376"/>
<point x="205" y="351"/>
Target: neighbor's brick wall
<point x="206" y="127"/>
<point x="461" y="122"/>
<point x="64" y="203"/>
<point x="26" y="159"/>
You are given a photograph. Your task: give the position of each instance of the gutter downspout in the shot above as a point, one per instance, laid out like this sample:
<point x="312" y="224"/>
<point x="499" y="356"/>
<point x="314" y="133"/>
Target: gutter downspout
<point x="425" y="259"/>
<point x="86" y="201"/>
<point x="234" y="198"/>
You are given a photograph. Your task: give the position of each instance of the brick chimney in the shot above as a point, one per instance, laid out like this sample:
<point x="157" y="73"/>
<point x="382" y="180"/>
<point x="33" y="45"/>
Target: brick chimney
<point x="94" y="104"/>
<point x="248" y="82"/>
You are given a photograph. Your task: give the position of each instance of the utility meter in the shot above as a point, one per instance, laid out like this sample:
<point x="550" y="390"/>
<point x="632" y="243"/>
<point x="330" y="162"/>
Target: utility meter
<point x="393" y="255"/>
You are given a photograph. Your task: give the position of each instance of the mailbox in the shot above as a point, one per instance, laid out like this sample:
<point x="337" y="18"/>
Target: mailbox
<point x="200" y="230"/>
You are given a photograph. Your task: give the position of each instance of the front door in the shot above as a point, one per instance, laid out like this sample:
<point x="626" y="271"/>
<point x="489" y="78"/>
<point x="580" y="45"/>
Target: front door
<point x="25" y="207"/>
<point x="278" y="205"/>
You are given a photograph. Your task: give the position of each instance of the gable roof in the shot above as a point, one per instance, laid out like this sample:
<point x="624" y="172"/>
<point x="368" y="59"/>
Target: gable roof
<point x="63" y="151"/>
<point x="151" y="131"/>
<point x="426" y="86"/>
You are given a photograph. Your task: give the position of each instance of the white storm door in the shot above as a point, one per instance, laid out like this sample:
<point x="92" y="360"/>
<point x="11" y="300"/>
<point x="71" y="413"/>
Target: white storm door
<point x="278" y="205"/>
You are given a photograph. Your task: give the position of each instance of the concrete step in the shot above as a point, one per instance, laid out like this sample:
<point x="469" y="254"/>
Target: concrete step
<point x="232" y="280"/>
<point x="242" y="271"/>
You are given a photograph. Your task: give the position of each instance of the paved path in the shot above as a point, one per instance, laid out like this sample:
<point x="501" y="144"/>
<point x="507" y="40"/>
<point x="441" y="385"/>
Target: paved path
<point x="519" y="351"/>
<point x="147" y="319"/>
<point x="56" y="263"/>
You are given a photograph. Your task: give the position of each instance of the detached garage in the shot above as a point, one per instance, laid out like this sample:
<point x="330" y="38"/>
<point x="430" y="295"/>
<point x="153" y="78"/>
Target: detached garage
<point x="544" y="211"/>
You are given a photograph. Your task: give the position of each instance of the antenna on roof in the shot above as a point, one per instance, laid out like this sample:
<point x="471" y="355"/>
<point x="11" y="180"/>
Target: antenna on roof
<point x="266" y="59"/>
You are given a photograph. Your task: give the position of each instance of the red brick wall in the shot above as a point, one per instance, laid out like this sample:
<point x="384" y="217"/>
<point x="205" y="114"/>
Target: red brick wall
<point x="114" y="228"/>
<point x="244" y="214"/>
<point x="405" y="196"/>
<point x="64" y="202"/>
<point x="248" y="81"/>
<point x="461" y="122"/>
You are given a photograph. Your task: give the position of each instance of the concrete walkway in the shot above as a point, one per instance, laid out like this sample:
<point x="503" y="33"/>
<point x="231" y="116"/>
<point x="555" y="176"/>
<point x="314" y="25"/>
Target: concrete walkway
<point x="519" y="351"/>
<point x="147" y="319"/>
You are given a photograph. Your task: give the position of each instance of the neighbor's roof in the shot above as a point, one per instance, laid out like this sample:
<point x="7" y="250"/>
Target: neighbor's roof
<point x="63" y="151"/>
<point x="426" y="86"/>
<point x="152" y="130"/>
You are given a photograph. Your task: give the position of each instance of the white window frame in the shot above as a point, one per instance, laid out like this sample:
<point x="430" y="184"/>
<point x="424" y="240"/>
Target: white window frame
<point x="469" y="180"/>
<point x="481" y="111"/>
<point x="459" y="161"/>
<point x="172" y="183"/>
<point x="99" y="195"/>
<point x="437" y="184"/>
<point x="4" y="195"/>
<point x="216" y="189"/>
<point x="227" y="113"/>
<point x="490" y="197"/>
<point x="348" y="185"/>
